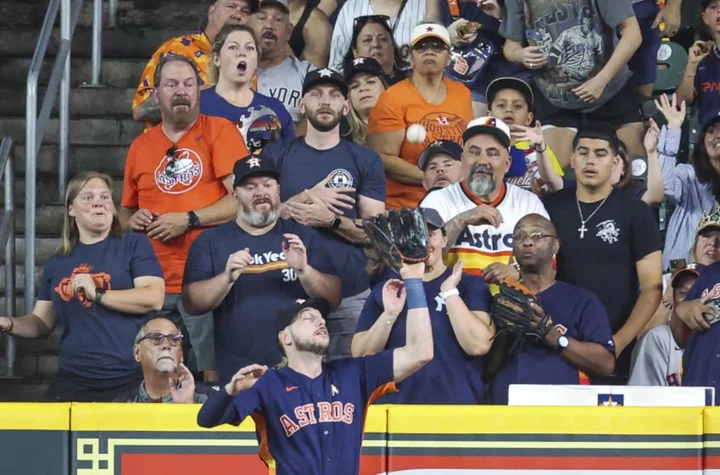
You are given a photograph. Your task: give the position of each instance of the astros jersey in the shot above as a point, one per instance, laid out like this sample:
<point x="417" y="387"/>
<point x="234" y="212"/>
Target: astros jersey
<point x="707" y="85"/>
<point x="452" y="377"/>
<point x="189" y="180"/>
<point x="656" y="359"/>
<point x="401" y="106"/>
<point x="700" y="361"/>
<point x="244" y="319"/>
<point x="480" y="246"/>
<point x="195" y="46"/>
<point x="578" y="314"/>
<point x="308" y="426"/>
<point x="96" y="341"/>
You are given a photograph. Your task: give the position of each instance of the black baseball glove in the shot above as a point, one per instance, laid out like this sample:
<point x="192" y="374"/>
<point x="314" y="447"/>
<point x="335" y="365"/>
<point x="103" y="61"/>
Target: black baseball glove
<point x="398" y="236"/>
<point x="517" y="311"/>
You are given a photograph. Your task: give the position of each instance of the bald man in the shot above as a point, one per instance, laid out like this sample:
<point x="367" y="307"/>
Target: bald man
<point x="580" y="343"/>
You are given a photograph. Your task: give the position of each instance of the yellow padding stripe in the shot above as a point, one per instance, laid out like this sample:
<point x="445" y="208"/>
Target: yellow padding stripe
<point x="28" y="416"/>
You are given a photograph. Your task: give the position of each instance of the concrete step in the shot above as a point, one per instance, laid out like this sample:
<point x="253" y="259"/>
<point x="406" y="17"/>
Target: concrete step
<point x="19" y="280"/>
<point x="145" y="13"/>
<point x="47" y="193"/>
<point x="128" y="42"/>
<point x="120" y="73"/>
<point x="44" y="249"/>
<point x="84" y="102"/>
<point x="48" y="221"/>
<point x="105" y="132"/>
<point x="109" y="160"/>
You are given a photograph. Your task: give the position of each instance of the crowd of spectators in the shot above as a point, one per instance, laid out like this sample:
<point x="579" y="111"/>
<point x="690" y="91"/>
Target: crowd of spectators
<point x="277" y="128"/>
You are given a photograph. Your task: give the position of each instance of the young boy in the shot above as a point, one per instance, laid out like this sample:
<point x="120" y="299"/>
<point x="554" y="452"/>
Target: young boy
<point x="511" y="99"/>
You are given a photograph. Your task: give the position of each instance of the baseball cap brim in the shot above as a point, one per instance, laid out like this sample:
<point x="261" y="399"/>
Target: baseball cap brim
<point x="682" y="273"/>
<point x="510" y="83"/>
<point x="432" y="218"/>
<point x="433" y="150"/>
<point x="487" y="129"/>
<point x="286" y="316"/>
<point x="309" y="85"/>
<point x="271" y="173"/>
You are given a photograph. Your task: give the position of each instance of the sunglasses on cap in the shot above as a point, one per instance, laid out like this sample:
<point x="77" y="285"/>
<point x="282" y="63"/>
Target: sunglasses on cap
<point x="364" y="20"/>
<point x="431" y="44"/>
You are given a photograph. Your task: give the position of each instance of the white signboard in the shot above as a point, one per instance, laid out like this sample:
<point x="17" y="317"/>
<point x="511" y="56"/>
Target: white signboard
<point x="636" y="396"/>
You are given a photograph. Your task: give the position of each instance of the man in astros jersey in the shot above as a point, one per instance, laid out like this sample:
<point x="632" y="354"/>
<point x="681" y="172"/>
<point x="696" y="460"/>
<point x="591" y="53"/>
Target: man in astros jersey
<point x="481" y="211"/>
<point x="308" y="414"/>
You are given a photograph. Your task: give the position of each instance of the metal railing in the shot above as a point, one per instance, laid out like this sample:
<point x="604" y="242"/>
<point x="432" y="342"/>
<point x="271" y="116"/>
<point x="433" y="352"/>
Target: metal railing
<point x="36" y="124"/>
<point x="7" y="240"/>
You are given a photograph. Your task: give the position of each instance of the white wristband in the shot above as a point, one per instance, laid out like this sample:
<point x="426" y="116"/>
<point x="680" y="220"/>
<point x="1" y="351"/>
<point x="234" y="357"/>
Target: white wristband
<point x="448" y="293"/>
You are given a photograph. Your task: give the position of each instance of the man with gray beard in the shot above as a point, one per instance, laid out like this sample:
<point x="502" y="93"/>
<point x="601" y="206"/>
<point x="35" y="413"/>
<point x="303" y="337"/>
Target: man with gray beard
<point x="252" y="267"/>
<point x="482" y="210"/>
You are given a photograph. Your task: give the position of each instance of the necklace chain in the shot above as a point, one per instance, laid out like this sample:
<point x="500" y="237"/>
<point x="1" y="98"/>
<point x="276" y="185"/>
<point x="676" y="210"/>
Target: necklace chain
<point x="582" y="229"/>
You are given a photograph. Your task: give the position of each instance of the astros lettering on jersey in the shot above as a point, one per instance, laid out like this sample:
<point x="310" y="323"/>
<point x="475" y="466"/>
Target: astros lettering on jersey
<point x="480" y="246"/>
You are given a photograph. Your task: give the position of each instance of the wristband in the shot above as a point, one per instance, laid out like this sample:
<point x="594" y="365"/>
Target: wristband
<point x="415" y="294"/>
<point x="541" y="151"/>
<point x="12" y="325"/>
<point x="449" y="293"/>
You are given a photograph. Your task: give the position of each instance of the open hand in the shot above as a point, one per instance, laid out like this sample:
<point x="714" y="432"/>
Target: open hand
<point x="393" y="297"/>
<point x="245" y="378"/>
<point x="182" y="385"/>
<point x="453" y="280"/>
<point x="295" y="252"/>
<point x="236" y="263"/>
<point x="674" y="113"/>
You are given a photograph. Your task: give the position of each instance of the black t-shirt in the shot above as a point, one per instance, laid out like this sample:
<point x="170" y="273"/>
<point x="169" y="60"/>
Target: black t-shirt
<point x="619" y="234"/>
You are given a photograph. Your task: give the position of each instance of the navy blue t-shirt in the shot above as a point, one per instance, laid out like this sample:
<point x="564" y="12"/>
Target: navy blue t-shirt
<point x="351" y="166"/>
<point x="265" y="120"/>
<point x="452" y="377"/>
<point x="97" y="342"/>
<point x="701" y="359"/>
<point x="707" y="85"/>
<point x="580" y="315"/>
<point x="244" y="331"/>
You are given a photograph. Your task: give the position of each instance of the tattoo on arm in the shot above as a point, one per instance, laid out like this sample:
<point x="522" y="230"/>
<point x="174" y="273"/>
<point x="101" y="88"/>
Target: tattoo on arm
<point x="148" y="111"/>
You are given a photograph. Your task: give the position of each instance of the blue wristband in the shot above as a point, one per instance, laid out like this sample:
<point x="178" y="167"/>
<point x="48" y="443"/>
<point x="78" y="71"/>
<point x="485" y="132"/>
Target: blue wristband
<point x="415" y="293"/>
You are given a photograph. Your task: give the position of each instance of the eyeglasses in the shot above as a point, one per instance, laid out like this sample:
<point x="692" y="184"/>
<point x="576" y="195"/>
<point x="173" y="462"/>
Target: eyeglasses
<point x="535" y="237"/>
<point x="364" y="20"/>
<point x="170" y="155"/>
<point x="434" y="45"/>
<point x="157" y="339"/>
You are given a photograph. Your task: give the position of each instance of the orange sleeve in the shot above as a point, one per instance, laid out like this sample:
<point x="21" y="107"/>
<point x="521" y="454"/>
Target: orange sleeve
<point x="228" y="147"/>
<point x="388" y="115"/>
<point x="146" y="86"/>
<point x="130" y="190"/>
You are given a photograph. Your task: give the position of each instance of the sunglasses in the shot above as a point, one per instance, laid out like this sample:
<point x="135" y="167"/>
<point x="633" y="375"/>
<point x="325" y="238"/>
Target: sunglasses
<point x="157" y="338"/>
<point x="435" y="45"/>
<point x="364" y="20"/>
<point x="170" y="155"/>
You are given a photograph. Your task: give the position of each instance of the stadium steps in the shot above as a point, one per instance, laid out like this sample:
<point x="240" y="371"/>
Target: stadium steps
<point x="101" y="129"/>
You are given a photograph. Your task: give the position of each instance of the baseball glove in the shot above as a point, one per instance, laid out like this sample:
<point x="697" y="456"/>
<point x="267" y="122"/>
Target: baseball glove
<point x="514" y="312"/>
<point x="399" y="236"/>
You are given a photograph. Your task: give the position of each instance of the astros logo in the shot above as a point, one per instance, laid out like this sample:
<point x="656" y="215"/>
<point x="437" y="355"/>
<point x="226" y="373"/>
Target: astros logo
<point x="65" y="291"/>
<point x="340" y="178"/>
<point x="442" y="125"/>
<point x="180" y="173"/>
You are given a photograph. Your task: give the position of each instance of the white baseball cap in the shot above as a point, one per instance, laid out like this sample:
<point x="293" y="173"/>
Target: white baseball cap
<point x="429" y="30"/>
<point x="488" y="125"/>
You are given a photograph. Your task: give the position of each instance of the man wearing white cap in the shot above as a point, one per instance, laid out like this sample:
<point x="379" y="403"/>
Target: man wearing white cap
<point x="482" y="210"/>
<point x="441" y="106"/>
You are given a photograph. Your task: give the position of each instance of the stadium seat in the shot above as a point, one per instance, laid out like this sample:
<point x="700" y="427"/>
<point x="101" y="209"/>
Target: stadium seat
<point x="671" y="61"/>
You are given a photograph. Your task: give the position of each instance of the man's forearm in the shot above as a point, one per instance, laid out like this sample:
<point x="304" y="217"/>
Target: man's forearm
<point x="686" y="89"/>
<point x="401" y="171"/>
<point x="453" y="228"/>
<point x="137" y="301"/>
<point x="124" y="216"/>
<point x="317" y="284"/>
<point x="641" y="314"/>
<point x="30" y="326"/>
<point x="589" y="357"/>
<point x="513" y="51"/>
<point x="352" y="230"/>
<point x="205" y="296"/>
<point x="373" y="340"/>
<point x="148" y="111"/>
<point x="630" y="41"/>
<point x="220" y="212"/>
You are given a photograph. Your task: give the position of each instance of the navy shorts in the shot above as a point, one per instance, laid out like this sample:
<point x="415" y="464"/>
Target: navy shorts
<point x="643" y="64"/>
<point x="623" y="108"/>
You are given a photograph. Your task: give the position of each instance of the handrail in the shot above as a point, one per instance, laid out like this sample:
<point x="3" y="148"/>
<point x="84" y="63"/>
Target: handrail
<point x="7" y="240"/>
<point x="35" y="125"/>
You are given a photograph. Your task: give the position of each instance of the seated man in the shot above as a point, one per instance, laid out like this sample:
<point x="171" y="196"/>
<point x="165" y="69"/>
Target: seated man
<point x="657" y="358"/>
<point x="462" y="330"/>
<point x="158" y="349"/>
<point x="441" y="164"/>
<point x="581" y="341"/>
<point x="195" y="46"/>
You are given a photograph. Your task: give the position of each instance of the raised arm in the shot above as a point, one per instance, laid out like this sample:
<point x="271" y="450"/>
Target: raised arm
<point x="224" y="406"/>
<point x="418" y="350"/>
<point x="686" y="90"/>
<point x="674" y="176"/>
<point x="655" y="187"/>
<point x="376" y="337"/>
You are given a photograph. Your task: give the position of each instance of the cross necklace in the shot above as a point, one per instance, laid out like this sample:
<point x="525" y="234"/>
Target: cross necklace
<point x="582" y="229"/>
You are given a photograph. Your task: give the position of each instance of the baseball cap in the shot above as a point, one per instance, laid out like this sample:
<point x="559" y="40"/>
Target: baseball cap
<point x="709" y="221"/>
<point x="286" y="316"/>
<point x="708" y="119"/>
<point x="282" y="4"/>
<point x="488" y="125"/>
<point x="324" y="76"/>
<point x="252" y="166"/>
<point x="370" y="66"/>
<point x="510" y="83"/>
<point x="705" y="3"/>
<point x="439" y="146"/>
<point x="688" y="270"/>
<point x="433" y="218"/>
<point x="429" y="30"/>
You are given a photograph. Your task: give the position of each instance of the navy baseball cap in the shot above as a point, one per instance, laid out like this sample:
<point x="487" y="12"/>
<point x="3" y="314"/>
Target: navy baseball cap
<point x="709" y="119"/>
<point x="510" y="83"/>
<point x="319" y="77"/>
<point x="287" y="315"/>
<point x="369" y="66"/>
<point x="252" y="166"/>
<point x="433" y="218"/>
<point x="688" y="270"/>
<point x="439" y="146"/>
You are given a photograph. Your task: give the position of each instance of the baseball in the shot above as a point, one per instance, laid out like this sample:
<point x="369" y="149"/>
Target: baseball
<point x="416" y="133"/>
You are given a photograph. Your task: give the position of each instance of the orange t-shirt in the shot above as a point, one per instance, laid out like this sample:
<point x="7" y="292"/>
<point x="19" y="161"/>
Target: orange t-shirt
<point x="205" y="155"/>
<point x="401" y="106"/>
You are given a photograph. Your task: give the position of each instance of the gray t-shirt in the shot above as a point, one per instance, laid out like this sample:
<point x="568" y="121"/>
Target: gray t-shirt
<point x="656" y="359"/>
<point x="577" y="36"/>
<point x="284" y="82"/>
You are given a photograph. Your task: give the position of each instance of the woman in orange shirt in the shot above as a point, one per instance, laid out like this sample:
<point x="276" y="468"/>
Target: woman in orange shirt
<point x="442" y="106"/>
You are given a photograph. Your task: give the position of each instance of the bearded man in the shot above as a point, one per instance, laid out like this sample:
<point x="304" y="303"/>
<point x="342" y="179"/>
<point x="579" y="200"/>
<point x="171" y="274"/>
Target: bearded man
<point x="252" y="267"/>
<point x="482" y="210"/>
